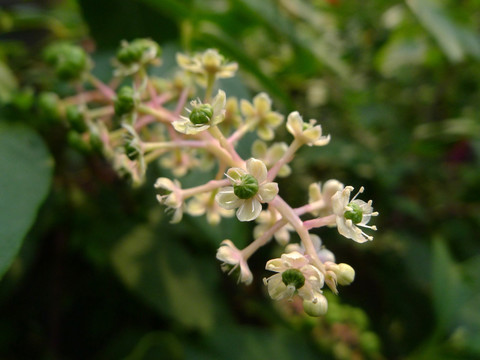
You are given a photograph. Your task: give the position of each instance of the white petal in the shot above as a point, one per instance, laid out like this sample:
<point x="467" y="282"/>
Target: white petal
<point x="227" y="199"/>
<point x="262" y="103"/>
<point x="295" y="123"/>
<point x="235" y="173"/>
<point x="164" y="183"/>
<point x="258" y="169"/>
<point x="218" y="103"/>
<point x="275" y="265"/>
<point x="249" y="210"/>
<point x="267" y="192"/>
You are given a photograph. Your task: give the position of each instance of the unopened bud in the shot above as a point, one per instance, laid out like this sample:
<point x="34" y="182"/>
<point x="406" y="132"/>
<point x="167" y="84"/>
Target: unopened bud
<point x="318" y="306"/>
<point x="138" y="50"/>
<point x="125" y="101"/>
<point x="75" y="118"/>
<point x="69" y="61"/>
<point x="345" y="274"/>
<point x="201" y="114"/>
<point x="48" y="106"/>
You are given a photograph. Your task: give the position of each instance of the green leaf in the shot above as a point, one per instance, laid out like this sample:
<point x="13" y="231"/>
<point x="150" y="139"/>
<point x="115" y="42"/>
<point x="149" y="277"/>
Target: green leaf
<point x="8" y="83"/>
<point x="449" y="292"/>
<point x="155" y="264"/>
<point x="455" y="41"/>
<point x="26" y="171"/>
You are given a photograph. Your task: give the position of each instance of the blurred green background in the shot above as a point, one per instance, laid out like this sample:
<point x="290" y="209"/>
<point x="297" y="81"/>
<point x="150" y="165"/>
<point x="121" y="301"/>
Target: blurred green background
<point x="95" y="271"/>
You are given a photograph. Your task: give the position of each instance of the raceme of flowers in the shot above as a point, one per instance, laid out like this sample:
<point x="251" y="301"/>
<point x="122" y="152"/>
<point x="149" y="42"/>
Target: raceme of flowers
<point x="179" y="124"/>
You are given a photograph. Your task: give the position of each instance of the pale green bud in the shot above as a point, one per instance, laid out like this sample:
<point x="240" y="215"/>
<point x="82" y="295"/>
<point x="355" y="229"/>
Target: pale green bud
<point x="70" y="61"/>
<point x="345" y="274"/>
<point x="316" y="307"/>
<point x="75" y="118"/>
<point x="137" y="51"/>
<point x="201" y="114"/>
<point x="125" y="101"/>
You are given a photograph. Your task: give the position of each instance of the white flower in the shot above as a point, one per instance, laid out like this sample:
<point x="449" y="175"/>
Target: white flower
<point x="266" y="220"/>
<point x="351" y="214"/>
<point x="294" y="275"/>
<point x="260" y="115"/>
<point x="250" y="189"/>
<point x="271" y="155"/>
<point x="207" y="63"/>
<point x="232" y="259"/>
<point x="317" y="192"/>
<point x="204" y="203"/>
<point x="322" y="252"/>
<point x="202" y="116"/>
<point x="307" y="133"/>
<point x="173" y="199"/>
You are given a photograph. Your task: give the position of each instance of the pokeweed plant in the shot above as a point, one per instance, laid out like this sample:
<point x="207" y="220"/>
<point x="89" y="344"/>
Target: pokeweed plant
<point x="181" y="126"/>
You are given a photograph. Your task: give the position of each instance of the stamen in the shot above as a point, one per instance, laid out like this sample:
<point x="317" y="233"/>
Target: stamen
<point x="359" y="192"/>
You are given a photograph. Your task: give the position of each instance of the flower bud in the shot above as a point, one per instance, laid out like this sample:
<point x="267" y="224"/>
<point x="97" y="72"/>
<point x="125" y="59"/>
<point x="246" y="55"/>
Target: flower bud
<point x="139" y="50"/>
<point x="345" y="274"/>
<point x="75" y="118"/>
<point x="318" y="306"/>
<point x="48" y="106"/>
<point x="125" y="101"/>
<point x="76" y="141"/>
<point x="202" y="114"/>
<point x="246" y="188"/>
<point x="69" y="61"/>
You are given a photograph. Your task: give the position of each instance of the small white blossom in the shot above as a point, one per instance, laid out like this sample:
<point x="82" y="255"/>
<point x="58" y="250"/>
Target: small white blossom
<point x="232" y="259"/>
<point x="260" y="115"/>
<point x="322" y="252"/>
<point x="173" y="199"/>
<point x="250" y="189"/>
<point x="266" y="220"/>
<point x="352" y="214"/>
<point x="208" y="62"/>
<point x="317" y="192"/>
<point x="307" y="133"/>
<point x="212" y="115"/>
<point x="295" y="275"/>
<point x="204" y="203"/>
<point x="271" y="155"/>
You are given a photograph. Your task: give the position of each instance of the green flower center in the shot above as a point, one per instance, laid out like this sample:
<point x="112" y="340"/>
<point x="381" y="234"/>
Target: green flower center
<point x="293" y="277"/>
<point x="247" y="188"/>
<point x="201" y="114"/>
<point x="356" y="214"/>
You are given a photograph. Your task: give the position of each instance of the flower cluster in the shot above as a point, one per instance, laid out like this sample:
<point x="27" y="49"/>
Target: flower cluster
<point x="148" y="121"/>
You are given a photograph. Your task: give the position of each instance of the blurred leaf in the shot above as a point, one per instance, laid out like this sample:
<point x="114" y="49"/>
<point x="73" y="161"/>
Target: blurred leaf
<point x="455" y="41"/>
<point x="242" y="342"/>
<point x="157" y="345"/>
<point x="8" y="83"/>
<point x="309" y="41"/>
<point x="155" y="264"/>
<point x="461" y="127"/>
<point x="449" y="292"/>
<point x="399" y="52"/>
<point x="26" y="170"/>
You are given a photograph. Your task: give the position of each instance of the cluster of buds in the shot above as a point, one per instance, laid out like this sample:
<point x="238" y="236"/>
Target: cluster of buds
<point x="186" y="123"/>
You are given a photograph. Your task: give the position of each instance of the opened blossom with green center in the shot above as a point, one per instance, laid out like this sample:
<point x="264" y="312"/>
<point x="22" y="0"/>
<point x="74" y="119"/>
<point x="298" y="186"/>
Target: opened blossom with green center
<point x="248" y="191"/>
<point x="353" y="214"/>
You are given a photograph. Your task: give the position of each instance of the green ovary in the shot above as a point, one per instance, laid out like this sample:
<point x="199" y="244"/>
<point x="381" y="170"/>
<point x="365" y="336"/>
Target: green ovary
<point x="247" y="188"/>
<point x="293" y="277"/>
<point x="356" y="214"/>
